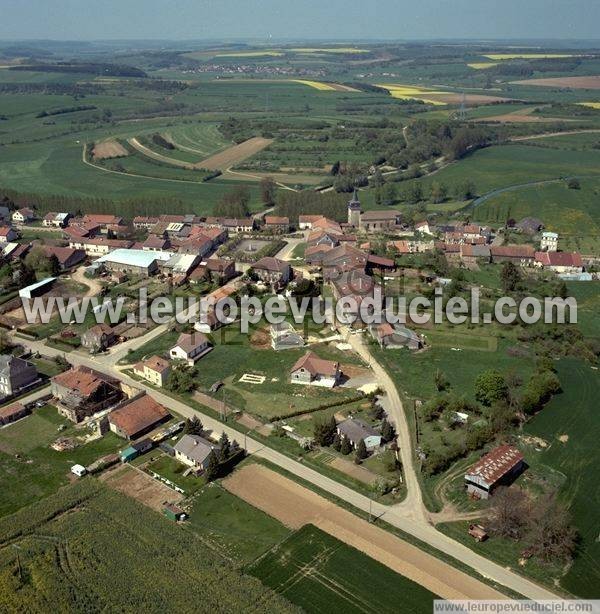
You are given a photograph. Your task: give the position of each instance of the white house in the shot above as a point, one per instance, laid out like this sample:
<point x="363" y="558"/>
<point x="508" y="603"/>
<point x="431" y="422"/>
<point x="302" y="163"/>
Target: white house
<point x="314" y="371"/>
<point x="549" y="242"/>
<point x="190" y="347"/>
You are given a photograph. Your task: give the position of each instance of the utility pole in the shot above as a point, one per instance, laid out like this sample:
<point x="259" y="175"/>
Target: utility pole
<point x="370" y="510"/>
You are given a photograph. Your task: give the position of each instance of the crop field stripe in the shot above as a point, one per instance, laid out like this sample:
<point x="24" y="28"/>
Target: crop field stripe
<point x="146" y="151"/>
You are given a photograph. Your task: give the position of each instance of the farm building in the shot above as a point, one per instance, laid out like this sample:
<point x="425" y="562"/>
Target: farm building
<point x="560" y="262"/>
<point x="16" y="375"/>
<point x="190" y="347"/>
<point x="134" y="261"/>
<point x="80" y="392"/>
<point x="194" y="451"/>
<point x="66" y="256"/>
<point x="12" y="413"/>
<point x="57" y="220"/>
<point x="500" y="466"/>
<point x="7" y="234"/>
<point x="355" y="430"/>
<point x="549" y="242"/>
<point x="38" y="288"/>
<point x="98" y="337"/>
<point x="314" y="371"/>
<point x="156" y="370"/>
<point x="220" y="269"/>
<point x="174" y="513"/>
<point x="277" y="223"/>
<point x="137" y="416"/>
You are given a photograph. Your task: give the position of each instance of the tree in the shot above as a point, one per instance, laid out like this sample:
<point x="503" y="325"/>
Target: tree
<point x="465" y="190"/>
<point x="324" y="432"/>
<point x="573" y="184"/>
<point x="509" y="513"/>
<point x="388" y="432"/>
<point x="388" y="194"/>
<point x="225" y="447"/>
<point x="193" y="426"/>
<point x="337" y="442"/>
<point x="551" y="537"/>
<point x="413" y="193"/>
<point x="181" y="379"/>
<point x="441" y="381"/>
<point x="267" y="190"/>
<point x="346" y="446"/>
<point x="234" y="203"/>
<point x="361" y="451"/>
<point x="490" y="386"/>
<point x="53" y="266"/>
<point x="212" y="467"/>
<point x="25" y="275"/>
<point x="438" y="192"/>
<point x="509" y="276"/>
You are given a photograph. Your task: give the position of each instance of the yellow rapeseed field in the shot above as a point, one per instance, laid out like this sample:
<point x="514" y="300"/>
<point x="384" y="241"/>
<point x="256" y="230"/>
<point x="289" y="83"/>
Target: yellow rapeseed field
<point x="407" y="92"/>
<point x="318" y="85"/>
<point x="591" y="105"/>
<point x="482" y="65"/>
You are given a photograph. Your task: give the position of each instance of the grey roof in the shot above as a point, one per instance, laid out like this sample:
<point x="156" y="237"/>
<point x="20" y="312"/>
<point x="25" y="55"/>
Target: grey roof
<point x="10" y="365"/>
<point x="356" y="429"/>
<point x="195" y="447"/>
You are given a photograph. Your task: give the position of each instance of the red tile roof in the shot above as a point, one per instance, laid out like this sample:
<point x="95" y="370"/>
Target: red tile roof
<point x="316" y="366"/>
<point x="11" y="410"/>
<point x="138" y="415"/>
<point x="572" y="259"/>
<point x="84" y="380"/>
<point x="277" y="220"/>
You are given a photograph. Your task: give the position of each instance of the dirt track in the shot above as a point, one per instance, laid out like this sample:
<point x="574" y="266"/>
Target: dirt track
<point x="156" y="156"/>
<point x="232" y="155"/>
<point x="296" y="506"/>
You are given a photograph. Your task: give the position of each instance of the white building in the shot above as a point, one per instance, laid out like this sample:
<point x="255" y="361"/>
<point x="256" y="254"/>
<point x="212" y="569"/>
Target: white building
<point x="549" y="242"/>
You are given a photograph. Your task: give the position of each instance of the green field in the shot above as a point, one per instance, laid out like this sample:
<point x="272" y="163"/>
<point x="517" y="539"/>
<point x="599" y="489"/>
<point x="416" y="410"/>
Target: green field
<point x="574" y="413"/>
<point x="321" y="574"/>
<point x="89" y="549"/>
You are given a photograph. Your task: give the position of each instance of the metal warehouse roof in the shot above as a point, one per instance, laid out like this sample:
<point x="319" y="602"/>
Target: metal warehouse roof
<point x="36" y="285"/>
<point x="135" y="257"/>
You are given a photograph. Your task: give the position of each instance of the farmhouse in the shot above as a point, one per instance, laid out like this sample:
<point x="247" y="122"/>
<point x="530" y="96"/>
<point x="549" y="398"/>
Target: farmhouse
<point x="103" y="220"/>
<point x="23" y="216"/>
<point x="314" y="254"/>
<point x="560" y="262"/>
<point x="155" y="244"/>
<point x="81" y="392"/>
<point x="314" y="371"/>
<point x="272" y="270"/>
<point x="99" y="246"/>
<point x="7" y="234"/>
<point x="180" y="264"/>
<point x="342" y="259"/>
<point x="424" y="227"/>
<point x="395" y="336"/>
<point x="236" y="225"/>
<point x="277" y="223"/>
<point x="16" y="375"/>
<point x="137" y="416"/>
<point x="356" y="430"/>
<point x="324" y="238"/>
<point x="500" y="466"/>
<point x="521" y="255"/>
<point x="190" y="347"/>
<point x="305" y="222"/>
<point x="195" y="451"/>
<point x="12" y="413"/>
<point x="376" y="221"/>
<point x="155" y="369"/>
<point x="98" y="337"/>
<point x="56" y="220"/>
<point x="220" y="270"/>
<point x="198" y="245"/>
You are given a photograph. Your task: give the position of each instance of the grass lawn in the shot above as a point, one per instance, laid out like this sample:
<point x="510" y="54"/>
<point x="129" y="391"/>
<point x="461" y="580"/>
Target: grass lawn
<point x="172" y="470"/>
<point x="159" y="345"/>
<point x="235" y="354"/>
<point x="321" y="574"/>
<point x="238" y="529"/>
<point x="39" y="470"/>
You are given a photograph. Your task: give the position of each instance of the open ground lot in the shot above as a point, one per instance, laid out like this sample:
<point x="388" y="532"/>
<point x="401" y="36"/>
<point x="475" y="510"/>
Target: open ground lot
<point x="297" y="506"/>
<point x="235" y="154"/>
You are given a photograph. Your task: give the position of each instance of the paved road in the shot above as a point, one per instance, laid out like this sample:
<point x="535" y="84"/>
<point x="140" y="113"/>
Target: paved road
<point x="407" y="516"/>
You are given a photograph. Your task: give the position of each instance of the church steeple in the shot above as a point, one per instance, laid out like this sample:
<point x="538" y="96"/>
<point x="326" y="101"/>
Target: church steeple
<point x="354" y="210"/>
